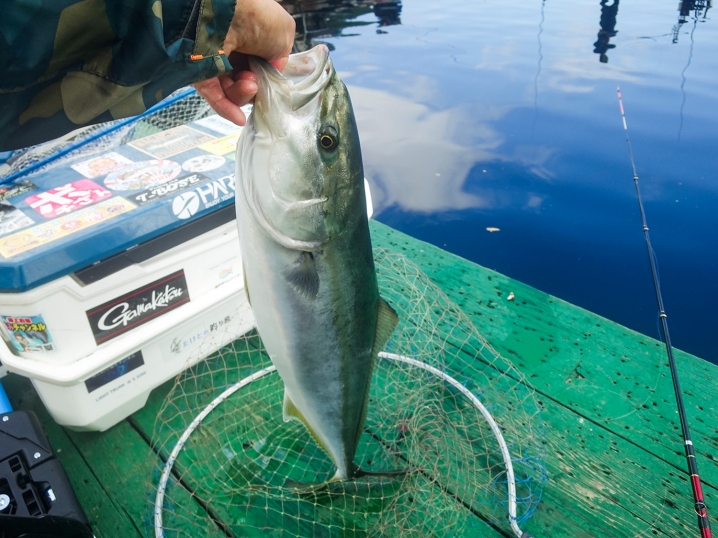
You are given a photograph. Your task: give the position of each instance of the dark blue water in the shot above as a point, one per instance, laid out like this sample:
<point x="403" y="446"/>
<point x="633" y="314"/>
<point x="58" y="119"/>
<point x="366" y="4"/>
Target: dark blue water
<point x="487" y="113"/>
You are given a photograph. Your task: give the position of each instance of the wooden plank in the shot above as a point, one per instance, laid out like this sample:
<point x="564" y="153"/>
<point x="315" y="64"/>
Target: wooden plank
<point x="111" y="472"/>
<point x="613" y="449"/>
<point x="607" y="373"/>
<point x="203" y="468"/>
<point x="596" y="482"/>
<point x="627" y="491"/>
<point x="106" y="516"/>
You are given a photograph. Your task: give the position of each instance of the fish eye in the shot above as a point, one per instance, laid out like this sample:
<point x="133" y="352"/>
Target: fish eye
<point x="328" y="138"/>
<point x="327" y="141"/>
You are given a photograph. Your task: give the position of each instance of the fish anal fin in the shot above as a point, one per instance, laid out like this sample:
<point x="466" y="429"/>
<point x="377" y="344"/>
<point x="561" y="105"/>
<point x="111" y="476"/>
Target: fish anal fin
<point x="291" y="412"/>
<point x="386" y="321"/>
<point x="303" y="276"/>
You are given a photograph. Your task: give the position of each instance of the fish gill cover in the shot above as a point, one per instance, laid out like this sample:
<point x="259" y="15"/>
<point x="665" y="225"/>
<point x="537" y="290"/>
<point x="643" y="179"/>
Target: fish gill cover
<point x="233" y="459"/>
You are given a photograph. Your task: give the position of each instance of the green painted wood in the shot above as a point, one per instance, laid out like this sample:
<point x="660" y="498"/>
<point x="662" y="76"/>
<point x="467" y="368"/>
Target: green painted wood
<point x="606" y="374"/>
<point x="109" y="471"/>
<point x="106" y="515"/>
<point x="199" y="463"/>
<point x="613" y="447"/>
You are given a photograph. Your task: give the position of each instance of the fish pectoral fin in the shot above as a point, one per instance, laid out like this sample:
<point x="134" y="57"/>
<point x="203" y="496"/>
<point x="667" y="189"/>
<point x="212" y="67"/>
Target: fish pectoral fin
<point x="303" y="276"/>
<point x="386" y="322"/>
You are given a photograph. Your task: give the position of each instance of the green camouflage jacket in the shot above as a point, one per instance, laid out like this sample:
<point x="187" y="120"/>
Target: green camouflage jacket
<point x="69" y="63"/>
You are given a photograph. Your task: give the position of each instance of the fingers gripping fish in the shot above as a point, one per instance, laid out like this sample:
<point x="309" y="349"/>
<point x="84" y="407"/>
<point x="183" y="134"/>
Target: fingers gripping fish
<point x="304" y="236"/>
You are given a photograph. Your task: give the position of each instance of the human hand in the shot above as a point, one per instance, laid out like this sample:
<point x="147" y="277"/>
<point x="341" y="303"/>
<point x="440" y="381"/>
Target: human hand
<point x="259" y="28"/>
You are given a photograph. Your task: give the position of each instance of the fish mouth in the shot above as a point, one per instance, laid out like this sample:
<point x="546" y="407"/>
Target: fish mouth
<point x="290" y="91"/>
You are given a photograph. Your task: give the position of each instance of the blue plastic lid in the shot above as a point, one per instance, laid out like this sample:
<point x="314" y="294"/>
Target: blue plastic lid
<point x="56" y="222"/>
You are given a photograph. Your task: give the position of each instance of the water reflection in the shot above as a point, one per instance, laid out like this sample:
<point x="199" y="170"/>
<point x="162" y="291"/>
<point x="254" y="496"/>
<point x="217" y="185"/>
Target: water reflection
<point x="607" y="31"/>
<point x="412" y="154"/>
<point x="526" y="136"/>
<point x="700" y="12"/>
<point x="321" y="19"/>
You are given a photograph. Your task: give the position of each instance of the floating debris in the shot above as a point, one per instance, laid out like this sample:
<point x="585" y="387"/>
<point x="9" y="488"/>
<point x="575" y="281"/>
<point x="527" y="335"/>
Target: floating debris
<point x="492" y="230"/>
<point x="511" y="296"/>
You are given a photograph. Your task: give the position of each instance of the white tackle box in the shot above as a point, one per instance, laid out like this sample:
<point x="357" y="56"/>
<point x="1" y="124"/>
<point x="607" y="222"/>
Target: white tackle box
<point x="120" y="270"/>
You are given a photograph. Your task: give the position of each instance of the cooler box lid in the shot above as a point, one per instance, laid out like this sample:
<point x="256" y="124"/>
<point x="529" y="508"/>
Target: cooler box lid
<point x="70" y="217"/>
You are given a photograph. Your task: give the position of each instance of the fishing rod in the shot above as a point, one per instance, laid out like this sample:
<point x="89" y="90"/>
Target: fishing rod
<point x="700" y="505"/>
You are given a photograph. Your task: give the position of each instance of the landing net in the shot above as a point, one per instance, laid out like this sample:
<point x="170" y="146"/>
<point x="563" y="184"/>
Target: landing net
<point x="229" y="454"/>
<point x="182" y="107"/>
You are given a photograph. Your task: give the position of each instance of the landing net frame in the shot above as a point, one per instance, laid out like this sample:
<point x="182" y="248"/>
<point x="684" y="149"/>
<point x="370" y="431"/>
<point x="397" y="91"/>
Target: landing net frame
<point x="174" y="454"/>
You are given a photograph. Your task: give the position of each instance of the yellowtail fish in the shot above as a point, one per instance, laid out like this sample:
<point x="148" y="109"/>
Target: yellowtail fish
<point x="307" y="255"/>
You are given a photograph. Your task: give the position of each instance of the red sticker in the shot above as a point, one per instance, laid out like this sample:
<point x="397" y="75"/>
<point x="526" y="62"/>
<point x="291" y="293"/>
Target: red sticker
<point x="67" y="198"/>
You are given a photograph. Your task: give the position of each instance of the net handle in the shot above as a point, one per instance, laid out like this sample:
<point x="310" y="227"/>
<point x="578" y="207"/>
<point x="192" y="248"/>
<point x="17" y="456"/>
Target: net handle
<point x="162" y="486"/>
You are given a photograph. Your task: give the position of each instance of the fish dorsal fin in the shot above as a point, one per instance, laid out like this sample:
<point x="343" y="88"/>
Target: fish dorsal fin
<point x="386" y="321"/>
<point x="303" y="276"/>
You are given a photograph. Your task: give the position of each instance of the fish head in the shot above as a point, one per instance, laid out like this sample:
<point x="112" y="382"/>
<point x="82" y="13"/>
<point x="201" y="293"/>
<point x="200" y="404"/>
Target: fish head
<point x="307" y="183"/>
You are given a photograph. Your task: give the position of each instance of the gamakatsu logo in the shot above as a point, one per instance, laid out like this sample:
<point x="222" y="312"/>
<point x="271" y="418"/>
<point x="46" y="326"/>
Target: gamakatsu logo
<point x="122" y="314"/>
<point x="205" y="196"/>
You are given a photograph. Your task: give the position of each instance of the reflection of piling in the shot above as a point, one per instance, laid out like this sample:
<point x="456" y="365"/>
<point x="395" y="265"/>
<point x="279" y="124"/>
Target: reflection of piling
<point x="388" y="12"/>
<point x="318" y="19"/>
<point x="607" y="31"/>
<point x="698" y="7"/>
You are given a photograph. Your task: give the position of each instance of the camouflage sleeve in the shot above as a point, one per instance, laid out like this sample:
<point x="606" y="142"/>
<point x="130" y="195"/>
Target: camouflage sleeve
<point x="65" y="64"/>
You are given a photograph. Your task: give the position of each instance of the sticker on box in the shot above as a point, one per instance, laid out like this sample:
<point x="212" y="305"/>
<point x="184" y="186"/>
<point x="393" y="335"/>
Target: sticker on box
<point x="142" y="175"/>
<point x="117" y="370"/>
<point x="12" y="219"/>
<point x="188" y="340"/>
<point x="171" y="142"/>
<point x="44" y="233"/>
<point x="28" y="334"/>
<point x="67" y="198"/>
<point x="167" y="189"/>
<point x="16" y="189"/>
<point x="222" y="146"/>
<point x="221" y="273"/>
<point x="137" y="307"/>
<point x="203" y="197"/>
<point x="203" y="163"/>
<point x="219" y="125"/>
<point x="101" y="165"/>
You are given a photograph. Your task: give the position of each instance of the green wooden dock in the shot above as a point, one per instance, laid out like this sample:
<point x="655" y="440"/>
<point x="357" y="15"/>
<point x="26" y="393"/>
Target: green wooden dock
<point x="613" y="447"/>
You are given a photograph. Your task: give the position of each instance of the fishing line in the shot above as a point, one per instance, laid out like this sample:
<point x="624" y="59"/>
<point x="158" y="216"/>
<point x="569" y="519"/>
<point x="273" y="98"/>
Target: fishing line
<point x="699" y="503"/>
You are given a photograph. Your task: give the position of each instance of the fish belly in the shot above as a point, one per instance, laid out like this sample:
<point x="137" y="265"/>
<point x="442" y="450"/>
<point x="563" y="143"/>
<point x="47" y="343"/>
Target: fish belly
<point x="321" y="347"/>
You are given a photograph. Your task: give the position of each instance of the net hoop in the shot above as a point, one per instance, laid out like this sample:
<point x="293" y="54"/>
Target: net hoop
<point x="506" y="455"/>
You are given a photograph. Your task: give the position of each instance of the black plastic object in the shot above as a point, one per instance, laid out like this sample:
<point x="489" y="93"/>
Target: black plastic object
<point x="36" y="498"/>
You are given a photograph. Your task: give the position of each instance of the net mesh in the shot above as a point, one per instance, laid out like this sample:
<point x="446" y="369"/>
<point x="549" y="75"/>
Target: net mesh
<point x="183" y="106"/>
<point x="236" y="468"/>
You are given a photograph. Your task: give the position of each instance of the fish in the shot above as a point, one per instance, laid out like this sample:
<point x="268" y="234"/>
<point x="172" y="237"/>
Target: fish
<point x="306" y="250"/>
